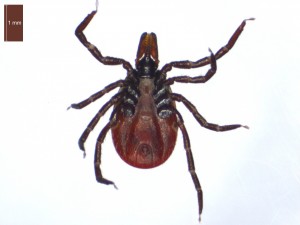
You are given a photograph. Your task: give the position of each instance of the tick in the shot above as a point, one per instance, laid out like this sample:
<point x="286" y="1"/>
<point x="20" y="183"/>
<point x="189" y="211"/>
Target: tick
<point x="144" y="121"/>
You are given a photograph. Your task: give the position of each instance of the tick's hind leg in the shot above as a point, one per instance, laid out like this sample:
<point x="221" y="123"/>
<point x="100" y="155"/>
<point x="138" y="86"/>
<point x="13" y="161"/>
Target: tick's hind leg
<point x="201" y="119"/>
<point x="97" y="159"/>
<point x="190" y="160"/>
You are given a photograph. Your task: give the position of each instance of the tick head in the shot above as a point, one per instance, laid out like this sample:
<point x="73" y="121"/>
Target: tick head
<point x="147" y="55"/>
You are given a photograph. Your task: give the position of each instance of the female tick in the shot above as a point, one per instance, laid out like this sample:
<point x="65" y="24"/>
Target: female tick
<point x="144" y="121"/>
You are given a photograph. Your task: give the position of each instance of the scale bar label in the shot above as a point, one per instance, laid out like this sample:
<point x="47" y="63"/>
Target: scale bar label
<point x="13" y="22"/>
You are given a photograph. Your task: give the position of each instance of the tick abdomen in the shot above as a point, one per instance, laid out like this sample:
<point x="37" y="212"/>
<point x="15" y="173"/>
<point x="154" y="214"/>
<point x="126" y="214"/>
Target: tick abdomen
<point x="143" y="140"/>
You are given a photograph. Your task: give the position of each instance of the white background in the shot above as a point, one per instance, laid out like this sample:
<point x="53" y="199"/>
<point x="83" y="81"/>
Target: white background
<point x="248" y="176"/>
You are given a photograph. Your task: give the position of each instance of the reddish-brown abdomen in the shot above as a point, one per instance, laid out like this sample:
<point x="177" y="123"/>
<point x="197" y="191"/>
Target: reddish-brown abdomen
<point x="145" y="140"/>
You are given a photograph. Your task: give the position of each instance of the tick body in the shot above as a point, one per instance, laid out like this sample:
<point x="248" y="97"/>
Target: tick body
<point x="144" y="140"/>
<point x="146" y="129"/>
<point x="144" y="122"/>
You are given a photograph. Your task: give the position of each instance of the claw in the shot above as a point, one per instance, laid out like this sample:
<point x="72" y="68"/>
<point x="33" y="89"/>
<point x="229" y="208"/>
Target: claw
<point x="97" y="3"/>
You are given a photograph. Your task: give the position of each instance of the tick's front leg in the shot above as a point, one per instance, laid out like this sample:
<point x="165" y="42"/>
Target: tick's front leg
<point x="106" y="60"/>
<point x="206" y="60"/>
<point x="79" y="30"/>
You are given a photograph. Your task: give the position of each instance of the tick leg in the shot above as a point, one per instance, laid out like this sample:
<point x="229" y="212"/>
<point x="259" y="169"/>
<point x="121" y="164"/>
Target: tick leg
<point x="206" y="60"/>
<point x="190" y="160"/>
<point x="197" y="79"/>
<point x="114" y="100"/>
<point x="97" y="95"/>
<point x="93" y="49"/>
<point x="222" y="51"/>
<point x="97" y="159"/>
<point x="200" y="119"/>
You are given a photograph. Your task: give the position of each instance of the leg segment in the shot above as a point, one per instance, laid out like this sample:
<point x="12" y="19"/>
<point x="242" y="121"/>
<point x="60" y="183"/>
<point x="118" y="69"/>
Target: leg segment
<point x="114" y="100"/>
<point x="190" y="160"/>
<point x="97" y="159"/>
<point x="200" y="119"/>
<point x="97" y="95"/>
<point x="93" y="49"/>
<point x="222" y="51"/>
<point x="197" y="79"/>
<point x="206" y="60"/>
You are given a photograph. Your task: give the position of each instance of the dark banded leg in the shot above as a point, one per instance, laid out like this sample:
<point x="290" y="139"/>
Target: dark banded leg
<point x="190" y="161"/>
<point x="106" y="60"/>
<point x="222" y="51"/>
<point x="97" y="158"/>
<point x="97" y="95"/>
<point x="197" y="79"/>
<point x="201" y="120"/>
<point x="100" y="139"/>
<point x="206" y="60"/>
<point x="114" y="100"/>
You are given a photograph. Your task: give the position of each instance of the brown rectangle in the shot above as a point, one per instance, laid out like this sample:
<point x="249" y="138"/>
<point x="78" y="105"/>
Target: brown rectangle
<point x="13" y="22"/>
